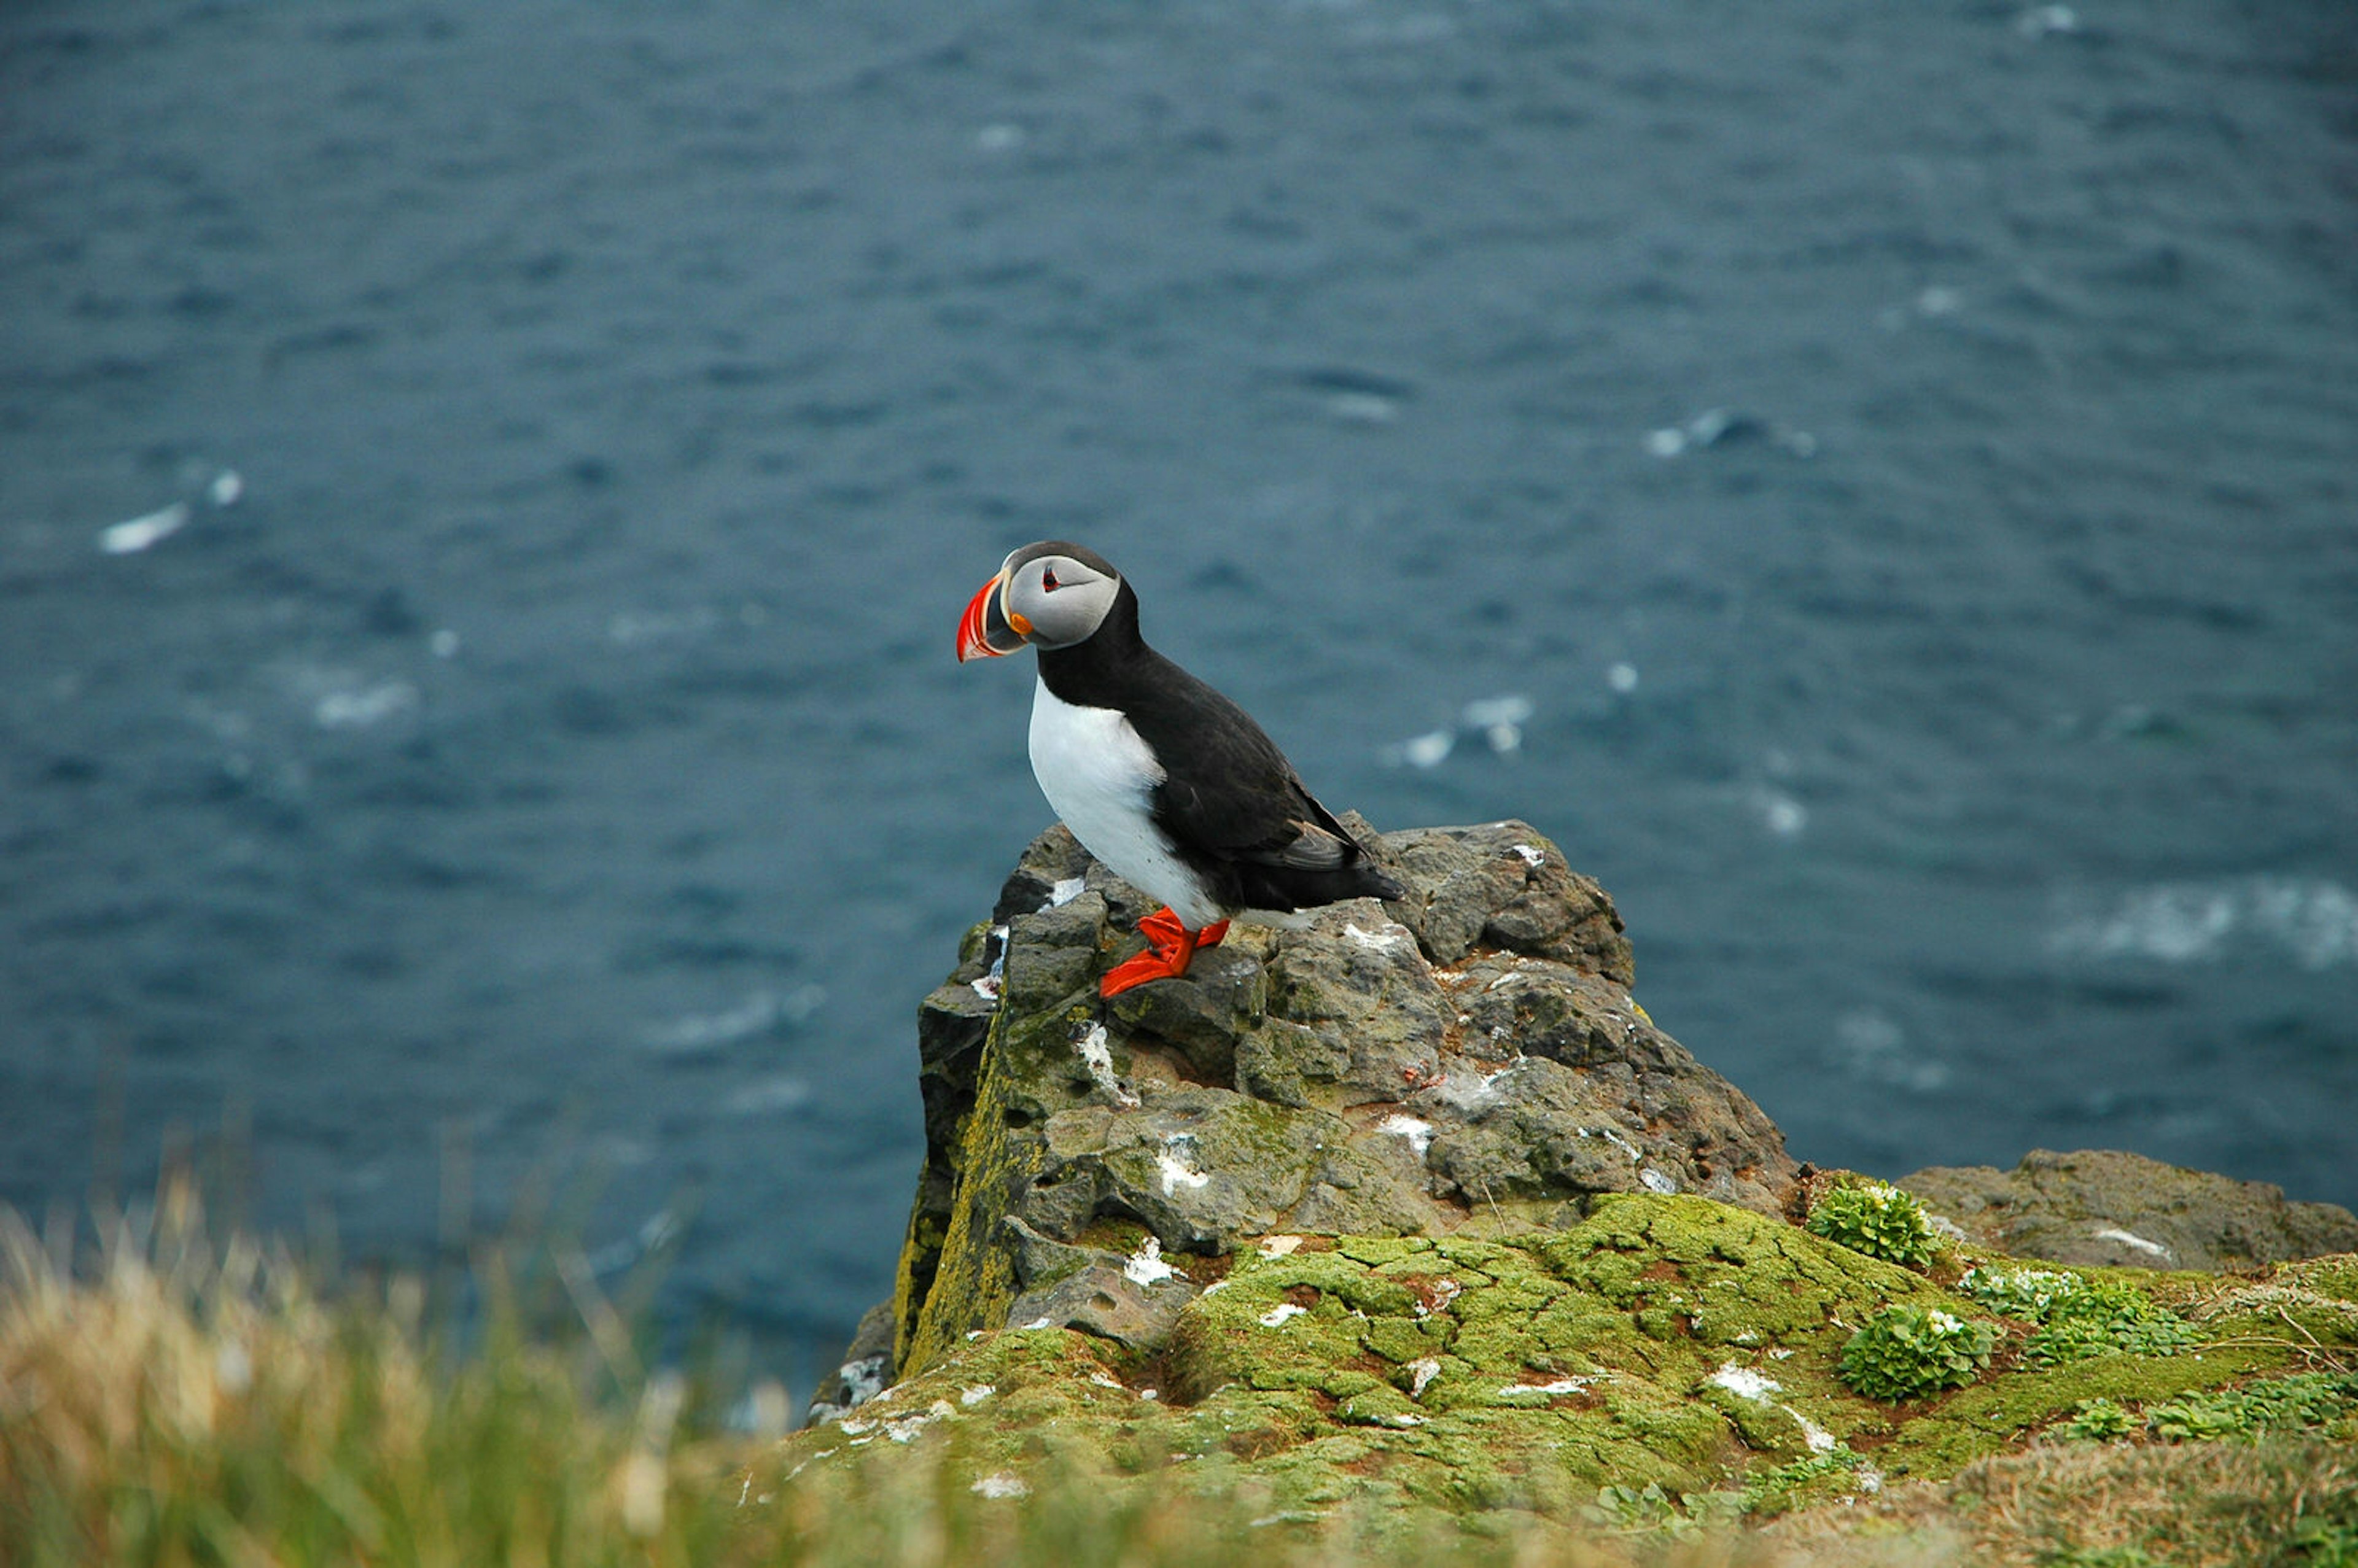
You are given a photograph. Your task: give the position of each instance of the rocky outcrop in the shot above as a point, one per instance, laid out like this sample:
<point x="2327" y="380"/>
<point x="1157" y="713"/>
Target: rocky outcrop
<point x="2105" y="1207"/>
<point x="1413" y="1211"/>
<point x="1467" y="1060"/>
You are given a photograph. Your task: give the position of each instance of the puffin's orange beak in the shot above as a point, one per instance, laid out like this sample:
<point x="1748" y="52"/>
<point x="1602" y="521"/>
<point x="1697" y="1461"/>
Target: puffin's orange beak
<point x="987" y="631"/>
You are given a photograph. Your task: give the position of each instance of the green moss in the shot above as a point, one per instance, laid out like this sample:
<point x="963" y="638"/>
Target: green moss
<point x="965" y="1281"/>
<point x="1452" y="1374"/>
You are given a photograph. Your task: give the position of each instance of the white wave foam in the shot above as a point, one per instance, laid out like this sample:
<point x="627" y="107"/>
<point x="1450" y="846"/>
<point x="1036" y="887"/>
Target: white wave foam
<point x="140" y="533"/>
<point x="2312" y="919"/>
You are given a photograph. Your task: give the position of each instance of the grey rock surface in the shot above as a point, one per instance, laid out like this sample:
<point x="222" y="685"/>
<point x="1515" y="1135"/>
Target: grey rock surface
<point x="2107" y="1208"/>
<point x="1468" y="1058"/>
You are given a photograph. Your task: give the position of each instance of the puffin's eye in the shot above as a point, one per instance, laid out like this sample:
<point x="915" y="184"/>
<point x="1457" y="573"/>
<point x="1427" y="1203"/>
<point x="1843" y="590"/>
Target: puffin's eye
<point x="1048" y="583"/>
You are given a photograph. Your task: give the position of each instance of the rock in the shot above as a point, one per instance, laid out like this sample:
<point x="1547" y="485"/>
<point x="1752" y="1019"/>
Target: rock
<point x="2100" y="1207"/>
<point x="866" y="1369"/>
<point x="1412" y="1212"/>
<point x="1666" y="1342"/>
<point x="1468" y="1060"/>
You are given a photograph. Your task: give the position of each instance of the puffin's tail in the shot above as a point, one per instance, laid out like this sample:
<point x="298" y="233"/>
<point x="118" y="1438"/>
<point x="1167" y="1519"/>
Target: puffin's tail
<point x="1298" y="888"/>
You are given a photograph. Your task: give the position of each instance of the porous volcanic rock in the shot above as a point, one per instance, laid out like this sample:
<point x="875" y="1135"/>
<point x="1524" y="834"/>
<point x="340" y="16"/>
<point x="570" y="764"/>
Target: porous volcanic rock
<point x="1465" y="1061"/>
<point x="2102" y="1207"/>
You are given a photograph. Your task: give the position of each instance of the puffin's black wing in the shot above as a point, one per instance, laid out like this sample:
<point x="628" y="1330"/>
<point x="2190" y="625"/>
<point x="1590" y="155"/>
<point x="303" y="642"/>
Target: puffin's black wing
<point x="1234" y="808"/>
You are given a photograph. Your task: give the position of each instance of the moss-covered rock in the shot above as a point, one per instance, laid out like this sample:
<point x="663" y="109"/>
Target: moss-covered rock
<point x="1413" y="1210"/>
<point x="1664" y="1342"/>
<point x="1468" y="1061"/>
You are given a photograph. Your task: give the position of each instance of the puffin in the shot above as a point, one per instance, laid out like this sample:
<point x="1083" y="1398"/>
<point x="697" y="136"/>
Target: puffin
<point x="1170" y="785"/>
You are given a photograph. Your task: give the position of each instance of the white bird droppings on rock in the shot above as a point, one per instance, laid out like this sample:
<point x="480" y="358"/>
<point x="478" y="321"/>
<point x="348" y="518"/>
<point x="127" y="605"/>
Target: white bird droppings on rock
<point x="1421" y="1374"/>
<point x="1381" y="941"/>
<point x="1744" y="1383"/>
<point x="1530" y="857"/>
<point x="1146" y="1267"/>
<point x="1655" y="1181"/>
<point x="1560" y="1386"/>
<point x="1174" y="1167"/>
<point x="1277" y="1316"/>
<point x="1001" y="1485"/>
<point x="1280" y="1246"/>
<point x="1418" y="1133"/>
<point x="2126" y="1238"/>
<point x="1097" y="1056"/>
<point x="976" y="1394"/>
<point x="1064" y="891"/>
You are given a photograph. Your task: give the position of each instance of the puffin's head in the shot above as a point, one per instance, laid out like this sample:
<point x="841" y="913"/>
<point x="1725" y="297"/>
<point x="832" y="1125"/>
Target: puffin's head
<point x="1051" y="595"/>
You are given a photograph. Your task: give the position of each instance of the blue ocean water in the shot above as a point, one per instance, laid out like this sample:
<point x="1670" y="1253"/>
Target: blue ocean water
<point x="486" y="492"/>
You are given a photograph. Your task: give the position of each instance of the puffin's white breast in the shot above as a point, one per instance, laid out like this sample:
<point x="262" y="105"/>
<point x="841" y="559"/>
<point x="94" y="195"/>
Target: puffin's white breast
<point x="1098" y="775"/>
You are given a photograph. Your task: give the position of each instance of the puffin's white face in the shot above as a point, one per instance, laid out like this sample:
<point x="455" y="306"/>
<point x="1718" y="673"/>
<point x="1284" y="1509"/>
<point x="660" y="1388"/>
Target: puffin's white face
<point x="1050" y="595"/>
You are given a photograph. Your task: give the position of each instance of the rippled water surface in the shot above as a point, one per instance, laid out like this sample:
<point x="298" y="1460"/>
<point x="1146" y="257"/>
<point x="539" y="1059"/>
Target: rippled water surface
<point x="486" y="492"/>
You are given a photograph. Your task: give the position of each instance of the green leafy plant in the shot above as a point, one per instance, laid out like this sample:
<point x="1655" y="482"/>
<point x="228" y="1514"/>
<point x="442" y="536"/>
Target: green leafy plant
<point x="1649" y="1510"/>
<point x="2298" y="1403"/>
<point x="1907" y="1351"/>
<point x="2027" y="1294"/>
<point x="2078" y="1317"/>
<point x="1789" y="1485"/>
<point x="2325" y="1543"/>
<point x="1878" y="1220"/>
<point x="2105" y="1317"/>
<point x="2100" y="1421"/>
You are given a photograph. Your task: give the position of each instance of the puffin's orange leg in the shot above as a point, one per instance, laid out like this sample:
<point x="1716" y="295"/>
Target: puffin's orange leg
<point x="1169" y="948"/>
<point x="1210" y="936"/>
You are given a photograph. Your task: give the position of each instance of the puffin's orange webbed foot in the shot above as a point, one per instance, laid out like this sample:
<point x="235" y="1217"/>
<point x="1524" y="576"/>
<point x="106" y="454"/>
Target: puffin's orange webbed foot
<point x="1169" y="947"/>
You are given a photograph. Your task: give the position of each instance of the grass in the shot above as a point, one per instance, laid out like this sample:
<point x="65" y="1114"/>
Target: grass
<point x="170" y="1398"/>
<point x="2272" y="1504"/>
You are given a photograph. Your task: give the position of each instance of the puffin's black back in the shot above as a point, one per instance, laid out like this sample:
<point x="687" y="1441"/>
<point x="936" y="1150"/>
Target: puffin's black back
<point x="1229" y="802"/>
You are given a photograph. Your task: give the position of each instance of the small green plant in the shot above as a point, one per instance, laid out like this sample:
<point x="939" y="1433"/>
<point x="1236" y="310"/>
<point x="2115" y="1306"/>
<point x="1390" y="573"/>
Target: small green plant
<point x="2026" y="1293"/>
<point x="1650" y="1510"/>
<point x="1907" y="1351"/>
<point x="2100" y="1421"/>
<point x="1789" y="1486"/>
<point x="2078" y="1317"/>
<point x="2105" y="1317"/>
<point x="2298" y="1402"/>
<point x="1878" y="1220"/>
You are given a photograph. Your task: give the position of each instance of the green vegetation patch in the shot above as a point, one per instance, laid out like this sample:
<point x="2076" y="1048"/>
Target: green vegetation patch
<point x="1879" y="1220"/>
<point x="2079" y="1317"/>
<point x="1666" y="1342"/>
<point x="2301" y="1402"/>
<point x="1905" y="1352"/>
